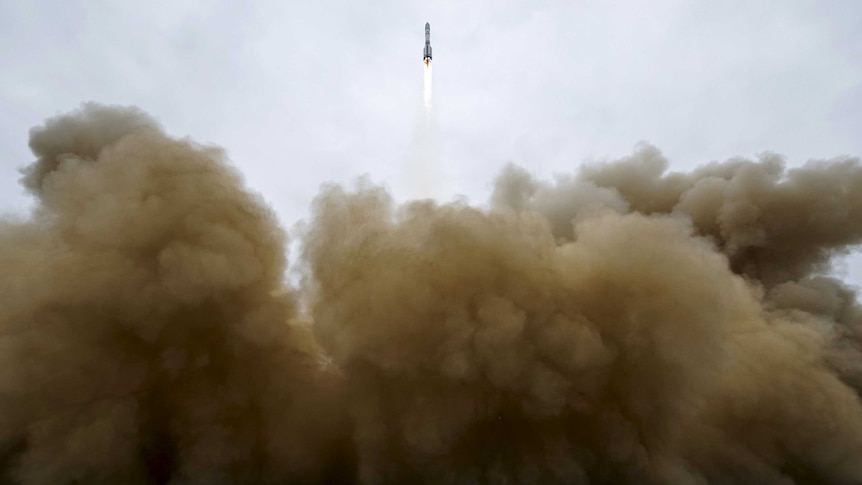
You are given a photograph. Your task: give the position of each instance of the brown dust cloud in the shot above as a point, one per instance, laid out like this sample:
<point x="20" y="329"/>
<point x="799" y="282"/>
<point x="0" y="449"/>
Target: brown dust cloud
<point x="618" y="325"/>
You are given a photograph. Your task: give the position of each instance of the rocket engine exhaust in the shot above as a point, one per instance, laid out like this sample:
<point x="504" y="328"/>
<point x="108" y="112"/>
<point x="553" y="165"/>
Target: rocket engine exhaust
<point x="426" y="90"/>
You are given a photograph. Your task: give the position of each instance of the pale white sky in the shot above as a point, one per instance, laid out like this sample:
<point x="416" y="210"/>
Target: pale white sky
<point x="302" y="93"/>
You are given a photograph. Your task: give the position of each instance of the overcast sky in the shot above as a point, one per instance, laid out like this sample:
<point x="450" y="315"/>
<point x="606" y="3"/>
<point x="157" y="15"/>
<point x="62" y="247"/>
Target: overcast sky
<point x="302" y="93"/>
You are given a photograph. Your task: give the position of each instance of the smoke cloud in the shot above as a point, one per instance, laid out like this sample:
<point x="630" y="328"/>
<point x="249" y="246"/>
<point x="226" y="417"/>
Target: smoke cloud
<point x="146" y="335"/>
<point x="619" y="324"/>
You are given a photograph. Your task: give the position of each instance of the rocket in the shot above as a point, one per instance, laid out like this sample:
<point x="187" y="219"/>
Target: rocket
<point x="426" y="53"/>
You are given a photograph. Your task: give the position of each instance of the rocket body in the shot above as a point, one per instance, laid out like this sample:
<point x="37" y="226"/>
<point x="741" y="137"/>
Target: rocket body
<point x="426" y="52"/>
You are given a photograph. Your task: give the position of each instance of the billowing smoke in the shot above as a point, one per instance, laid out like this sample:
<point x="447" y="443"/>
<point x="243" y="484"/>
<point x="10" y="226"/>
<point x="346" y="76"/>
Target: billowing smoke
<point x="620" y="324"/>
<point x="145" y="334"/>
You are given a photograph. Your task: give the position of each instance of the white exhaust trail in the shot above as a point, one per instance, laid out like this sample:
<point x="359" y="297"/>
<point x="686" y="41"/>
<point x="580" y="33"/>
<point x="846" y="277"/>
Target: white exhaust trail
<point x="426" y="91"/>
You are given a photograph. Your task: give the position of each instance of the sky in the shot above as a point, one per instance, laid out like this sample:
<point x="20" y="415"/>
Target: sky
<point x="305" y="93"/>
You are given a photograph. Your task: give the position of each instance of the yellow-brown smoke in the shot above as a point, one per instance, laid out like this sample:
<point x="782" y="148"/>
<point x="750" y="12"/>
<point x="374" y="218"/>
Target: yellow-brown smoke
<point x="146" y="332"/>
<point x="620" y="325"/>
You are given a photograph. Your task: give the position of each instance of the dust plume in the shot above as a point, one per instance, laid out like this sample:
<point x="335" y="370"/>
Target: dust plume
<point x="773" y="224"/>
<point x="481" y="349"/>
<point x="620" y="324"/>
<point x="145" y="334"/>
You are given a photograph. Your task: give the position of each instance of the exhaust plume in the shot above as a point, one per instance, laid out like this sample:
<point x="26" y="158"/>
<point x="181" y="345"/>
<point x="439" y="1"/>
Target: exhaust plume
<point x="424" y="172"/>
<point x="620" y="324"/>
<point x="426" y="87"/>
